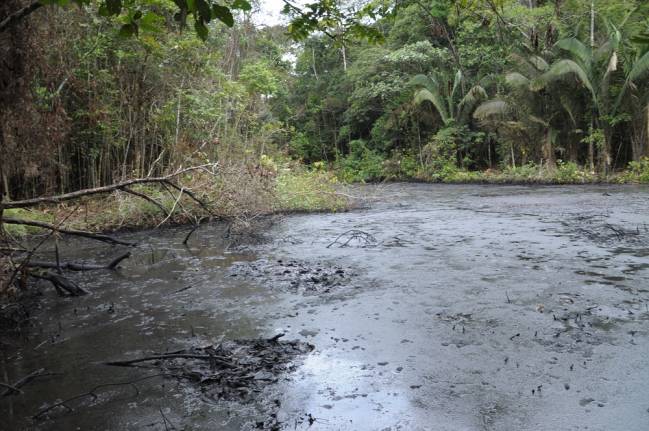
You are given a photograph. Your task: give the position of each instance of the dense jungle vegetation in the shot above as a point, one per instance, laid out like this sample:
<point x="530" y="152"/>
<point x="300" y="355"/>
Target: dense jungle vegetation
<point x="437" y="90"/>
<point x="538" y="90"/>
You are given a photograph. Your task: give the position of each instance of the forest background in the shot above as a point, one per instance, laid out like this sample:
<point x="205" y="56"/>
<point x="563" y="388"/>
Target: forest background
<point x="552" y="91"/>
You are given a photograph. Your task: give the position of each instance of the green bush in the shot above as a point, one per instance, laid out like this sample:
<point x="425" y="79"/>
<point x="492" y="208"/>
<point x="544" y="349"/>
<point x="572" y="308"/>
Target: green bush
<point x="361" y="165"/>
<point x="570" y="172"/>
<point x="299" y="189"/>
<point x="401" y="166"/>
<point x="638" y="172"/>
<point x="529" y="172"/>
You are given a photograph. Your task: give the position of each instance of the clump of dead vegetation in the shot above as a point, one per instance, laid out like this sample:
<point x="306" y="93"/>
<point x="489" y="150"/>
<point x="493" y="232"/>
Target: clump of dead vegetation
<point x="235" y="370"/>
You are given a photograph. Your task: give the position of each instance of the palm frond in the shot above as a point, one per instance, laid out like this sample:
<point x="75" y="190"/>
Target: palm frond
<point x="523" y="64"/>
<point x="435" y="98"/>
<point x="491" y="109"/>
<point x="540" y="64"/>
<point x="578" y="50"/>
<point x="422" y="81"/>
<point x="517" y="80"/>
<point x="560" y="70"/>
<point x="456" y="84"/>
<point x="640" y="67"/>
<point x="565" y="103"/>
<point x="537" y="120"/>
<point x="475" y="95"/>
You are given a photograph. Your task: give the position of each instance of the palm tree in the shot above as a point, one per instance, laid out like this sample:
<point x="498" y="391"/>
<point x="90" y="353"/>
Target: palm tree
<point x="444" y="95"/>
<point x="533" y="113"/>
<point x="454" y="108"/>
<point x="593" y="68"/>
<point x="635" y="93"/>
<point x="541" y="111"/>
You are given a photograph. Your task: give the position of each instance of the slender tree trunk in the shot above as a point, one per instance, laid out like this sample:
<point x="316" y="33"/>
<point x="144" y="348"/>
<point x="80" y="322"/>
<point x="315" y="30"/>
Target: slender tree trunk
<point x="4" y="186"/>
<point x="640" y="135"/>
<point x="548" y="151"/>
<point x="315" y="72"/>
<point x="591" y="144"/>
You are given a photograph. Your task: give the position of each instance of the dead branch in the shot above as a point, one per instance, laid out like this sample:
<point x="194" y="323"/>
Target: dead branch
<point x="216" y="359"/>
<point x="173" y="208"/>
<point x="149" y="199"/>
<point x="71" y="232"/>
<point x="191" y="195"/>
<point x="72" y="266"/>
<point x="11" y="388"/>
<point x="92" y="393"/>
<point x="60" y="283"/>
<point x="190" y="233"/>
<point x="23" y="381"/>
<point x="107" y="189"/>
<point x="22" y="267"/>
<point x="353" y="234"/>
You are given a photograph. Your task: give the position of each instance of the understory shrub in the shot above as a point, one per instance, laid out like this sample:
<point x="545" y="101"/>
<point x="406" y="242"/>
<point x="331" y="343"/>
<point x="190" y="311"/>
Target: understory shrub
<point x="360" y="165"/>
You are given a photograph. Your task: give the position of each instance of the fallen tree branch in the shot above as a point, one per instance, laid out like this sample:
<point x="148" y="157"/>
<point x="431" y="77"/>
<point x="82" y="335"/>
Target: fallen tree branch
<point x="23" y="381"/>
<point x="11" y="388"/>
<point x="60" y="283"/>
<point x="173" y="208"/>
<point x="71" y="232"/>
<point x="72" y="266"/>
<point x="191" y="232"/>
<point x="216" y="359"/>
<point x="91" y="393"/>
<point x="106" y="189"/>
<point x="23" y="266"/>
<point x="149" y="199"/>
<point x="191" y="195"/>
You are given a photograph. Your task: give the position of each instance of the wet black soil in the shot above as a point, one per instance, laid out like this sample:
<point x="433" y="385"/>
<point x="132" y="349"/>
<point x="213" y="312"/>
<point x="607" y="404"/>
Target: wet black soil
<point x="295" y="276"/>
<point x="458" y="308"/>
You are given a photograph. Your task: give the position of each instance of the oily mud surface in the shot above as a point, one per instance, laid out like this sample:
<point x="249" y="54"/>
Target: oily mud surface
<point x="233" y="370"/>
<point x="295" y="276"/>
<point x="462" y="308"/>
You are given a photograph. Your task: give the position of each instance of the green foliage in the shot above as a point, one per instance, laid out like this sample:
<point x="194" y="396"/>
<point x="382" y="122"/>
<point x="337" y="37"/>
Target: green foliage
<point x="360" y="165"/>
<point x="23" y="214"/>
<point x="638" y="172"/>
<point x="571" y="173"/>
<point x="136" y="15"/>
<point x="259" y="78"/>
<point x="299" y="189"/>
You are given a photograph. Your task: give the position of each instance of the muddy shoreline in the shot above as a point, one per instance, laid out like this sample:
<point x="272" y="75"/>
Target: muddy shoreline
<point x="460" y="307"/>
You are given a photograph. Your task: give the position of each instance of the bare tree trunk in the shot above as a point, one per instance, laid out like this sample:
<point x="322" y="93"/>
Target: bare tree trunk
<point x="315" y="72"/>
<point x="640" y="135"/>
<point x="548" y="151"/>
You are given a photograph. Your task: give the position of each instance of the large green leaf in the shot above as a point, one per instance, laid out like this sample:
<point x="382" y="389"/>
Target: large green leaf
<point x="516" y="79"/>
<point x="474" y="96"/>
<point x="457" y="81"/>
<point x="490" y="109"/>
<point x="201" y="29"/>
<point x="426" y="95"/>
<point x="578" y="50"/>
<point x="223" y="14"/>
<point x="241" y="5"/>
<point x="560" y="70"/>
<point x="640" y="67"/>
